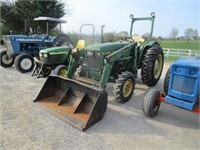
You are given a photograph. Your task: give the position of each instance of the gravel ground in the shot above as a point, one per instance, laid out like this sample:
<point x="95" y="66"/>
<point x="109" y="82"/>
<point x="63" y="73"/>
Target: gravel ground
<point x="26" y="125"/>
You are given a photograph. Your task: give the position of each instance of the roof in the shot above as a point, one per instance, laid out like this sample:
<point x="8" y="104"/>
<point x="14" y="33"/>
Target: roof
<point x="50" y="19"/>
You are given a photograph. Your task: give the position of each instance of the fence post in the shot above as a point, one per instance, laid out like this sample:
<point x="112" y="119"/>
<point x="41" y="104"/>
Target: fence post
<point x="190" y="52"/>
<point x="179" y="52"/>
<point x="168" y="53"/>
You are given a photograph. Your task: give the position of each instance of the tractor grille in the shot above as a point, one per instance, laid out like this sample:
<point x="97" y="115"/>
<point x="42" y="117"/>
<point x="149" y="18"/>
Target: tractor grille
<point x="50" y="58"/>
<point x="183" y="84"/>
<point x="8" y="44"/>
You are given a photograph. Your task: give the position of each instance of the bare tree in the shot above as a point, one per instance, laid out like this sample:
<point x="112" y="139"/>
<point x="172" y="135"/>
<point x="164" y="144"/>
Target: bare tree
<point x="174" y="33"/>
<point x="189" y="34"/>
<point x="195" y="34"/>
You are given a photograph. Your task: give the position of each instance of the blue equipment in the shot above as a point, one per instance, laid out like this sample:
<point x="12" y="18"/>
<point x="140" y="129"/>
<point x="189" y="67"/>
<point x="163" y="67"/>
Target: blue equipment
<point x="183" y="89"/>
<point x="181" y="86"/>
<point x="22" y="48"/>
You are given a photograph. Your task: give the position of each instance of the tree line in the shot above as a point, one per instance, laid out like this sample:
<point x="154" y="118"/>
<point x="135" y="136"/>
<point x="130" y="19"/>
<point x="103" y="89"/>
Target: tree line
<point x="14" y="14"/>
<point x="189" y="34"/>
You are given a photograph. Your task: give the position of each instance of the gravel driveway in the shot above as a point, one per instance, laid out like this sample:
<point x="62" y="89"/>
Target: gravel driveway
<point x="25" y="125"/>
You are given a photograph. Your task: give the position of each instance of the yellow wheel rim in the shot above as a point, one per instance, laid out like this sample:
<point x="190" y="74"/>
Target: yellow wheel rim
<point x="127" y="88"/>
<point x="63" y="73"/>
<point x="158" y="66"/>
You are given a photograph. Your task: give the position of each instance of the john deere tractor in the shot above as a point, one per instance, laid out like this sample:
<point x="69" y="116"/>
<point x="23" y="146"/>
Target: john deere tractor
<point x="50" y="58"/>
<point x="81" y="99"/>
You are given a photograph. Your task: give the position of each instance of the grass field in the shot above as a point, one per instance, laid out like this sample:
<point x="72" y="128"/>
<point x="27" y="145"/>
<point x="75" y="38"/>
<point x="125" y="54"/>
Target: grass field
<point x="181" y="44"/>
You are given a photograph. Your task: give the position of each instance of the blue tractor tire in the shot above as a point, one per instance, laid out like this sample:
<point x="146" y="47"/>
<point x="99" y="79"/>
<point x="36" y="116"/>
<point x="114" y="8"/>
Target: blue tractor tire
<point x="6" y="61"/>
<point x="24" y="63"/>
<point x="151" y="103"/>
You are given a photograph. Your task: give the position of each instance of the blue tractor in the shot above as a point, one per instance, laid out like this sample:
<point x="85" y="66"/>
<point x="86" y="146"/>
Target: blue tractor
<point x="22" y="48"/>
<point x="181" y="87"/>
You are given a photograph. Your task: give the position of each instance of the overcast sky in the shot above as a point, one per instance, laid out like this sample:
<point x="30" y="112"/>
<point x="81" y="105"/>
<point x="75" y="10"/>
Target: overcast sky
<point x="114" y="14"/>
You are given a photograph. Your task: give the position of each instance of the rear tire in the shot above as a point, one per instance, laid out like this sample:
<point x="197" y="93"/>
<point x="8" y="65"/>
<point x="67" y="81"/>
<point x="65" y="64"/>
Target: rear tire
<point x="61" y="70"/>
<point x="124" y="87"/>
<point x="24" y="63"/>
<point x="151" y="103"/>
<point x="166" y="81"/>
<point x="6" y="61"/>
<point x="152" y="65"/>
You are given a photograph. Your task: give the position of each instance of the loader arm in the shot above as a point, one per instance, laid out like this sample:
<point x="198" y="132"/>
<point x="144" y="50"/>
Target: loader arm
<point x="124" y="53"/>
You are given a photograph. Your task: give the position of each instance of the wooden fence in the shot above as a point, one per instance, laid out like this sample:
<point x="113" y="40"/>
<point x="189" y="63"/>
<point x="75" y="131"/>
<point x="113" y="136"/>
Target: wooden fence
<point x="181" y="52"/>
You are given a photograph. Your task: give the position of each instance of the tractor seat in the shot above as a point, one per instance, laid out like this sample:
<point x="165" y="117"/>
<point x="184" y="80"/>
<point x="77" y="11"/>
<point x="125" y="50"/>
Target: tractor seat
<point x="138" y="39"/>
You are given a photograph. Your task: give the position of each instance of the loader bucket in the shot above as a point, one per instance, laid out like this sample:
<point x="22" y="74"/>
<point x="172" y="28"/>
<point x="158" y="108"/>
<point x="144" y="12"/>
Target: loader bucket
<point x="79" y="104"/>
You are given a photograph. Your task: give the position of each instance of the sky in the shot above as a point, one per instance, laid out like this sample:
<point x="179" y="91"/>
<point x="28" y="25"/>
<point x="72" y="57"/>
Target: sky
<point x="181" y="14"/>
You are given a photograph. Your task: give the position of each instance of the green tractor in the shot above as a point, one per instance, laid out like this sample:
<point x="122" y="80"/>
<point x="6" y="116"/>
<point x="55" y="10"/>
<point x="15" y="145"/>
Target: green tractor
<point x="81" y="99"/>
<point x="50" y="58"/>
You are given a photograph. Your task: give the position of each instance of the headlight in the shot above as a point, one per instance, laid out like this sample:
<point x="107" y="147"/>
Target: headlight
<point x="45" y="55"/>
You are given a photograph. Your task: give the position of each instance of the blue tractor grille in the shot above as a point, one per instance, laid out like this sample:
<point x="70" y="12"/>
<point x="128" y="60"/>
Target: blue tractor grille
<point x="185" y="85"/>
<point x="183" y="90"/>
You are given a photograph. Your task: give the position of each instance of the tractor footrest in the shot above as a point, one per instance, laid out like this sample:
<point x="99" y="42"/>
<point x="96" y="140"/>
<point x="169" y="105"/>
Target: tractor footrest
<point x="180" y="103"/>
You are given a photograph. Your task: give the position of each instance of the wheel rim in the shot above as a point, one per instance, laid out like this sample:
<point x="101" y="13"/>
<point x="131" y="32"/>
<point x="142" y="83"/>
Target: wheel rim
<point x="158" y="66"/>
<point x="127" y="88"/>
<point x="63" y="73"/>
<point x="26" y="63"/>
<point x="6" y="60"/>
<point x="156" y="104"/>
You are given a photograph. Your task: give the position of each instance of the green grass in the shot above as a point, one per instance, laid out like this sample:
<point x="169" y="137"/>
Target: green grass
<point x="170" y="59"/>
<point x="181" y="44"/>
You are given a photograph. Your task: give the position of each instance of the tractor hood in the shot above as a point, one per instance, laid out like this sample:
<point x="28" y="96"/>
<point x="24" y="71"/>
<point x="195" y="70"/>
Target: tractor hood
<point x="108" y="47"/>
<point x="55" y="50"/>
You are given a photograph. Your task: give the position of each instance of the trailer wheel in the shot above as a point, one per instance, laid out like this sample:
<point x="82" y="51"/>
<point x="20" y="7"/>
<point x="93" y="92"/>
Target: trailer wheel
<point x="24" y="63"/>
<point x="124" y="87"/>
<point x="152" y="65"/>
<point x="61" y="70"/>
<point x="6" y="61"/>
<point x="151" y="103"/>
<point x="166" y="81"/>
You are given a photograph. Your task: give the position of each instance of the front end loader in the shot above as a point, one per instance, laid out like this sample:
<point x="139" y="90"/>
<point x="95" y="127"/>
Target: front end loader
<point x="81" y="98"/>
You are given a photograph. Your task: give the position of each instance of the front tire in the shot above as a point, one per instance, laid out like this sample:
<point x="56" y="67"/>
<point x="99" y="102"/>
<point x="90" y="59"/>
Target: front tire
<point x="61" y="70"/>
<point x="24" y="63"/>
<point x="152" y="65"/>
<point x="6" y="61"/>
<point x="124" y="87"/>
<point x="151" y="103"/>
<point x="46" y="72"/>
